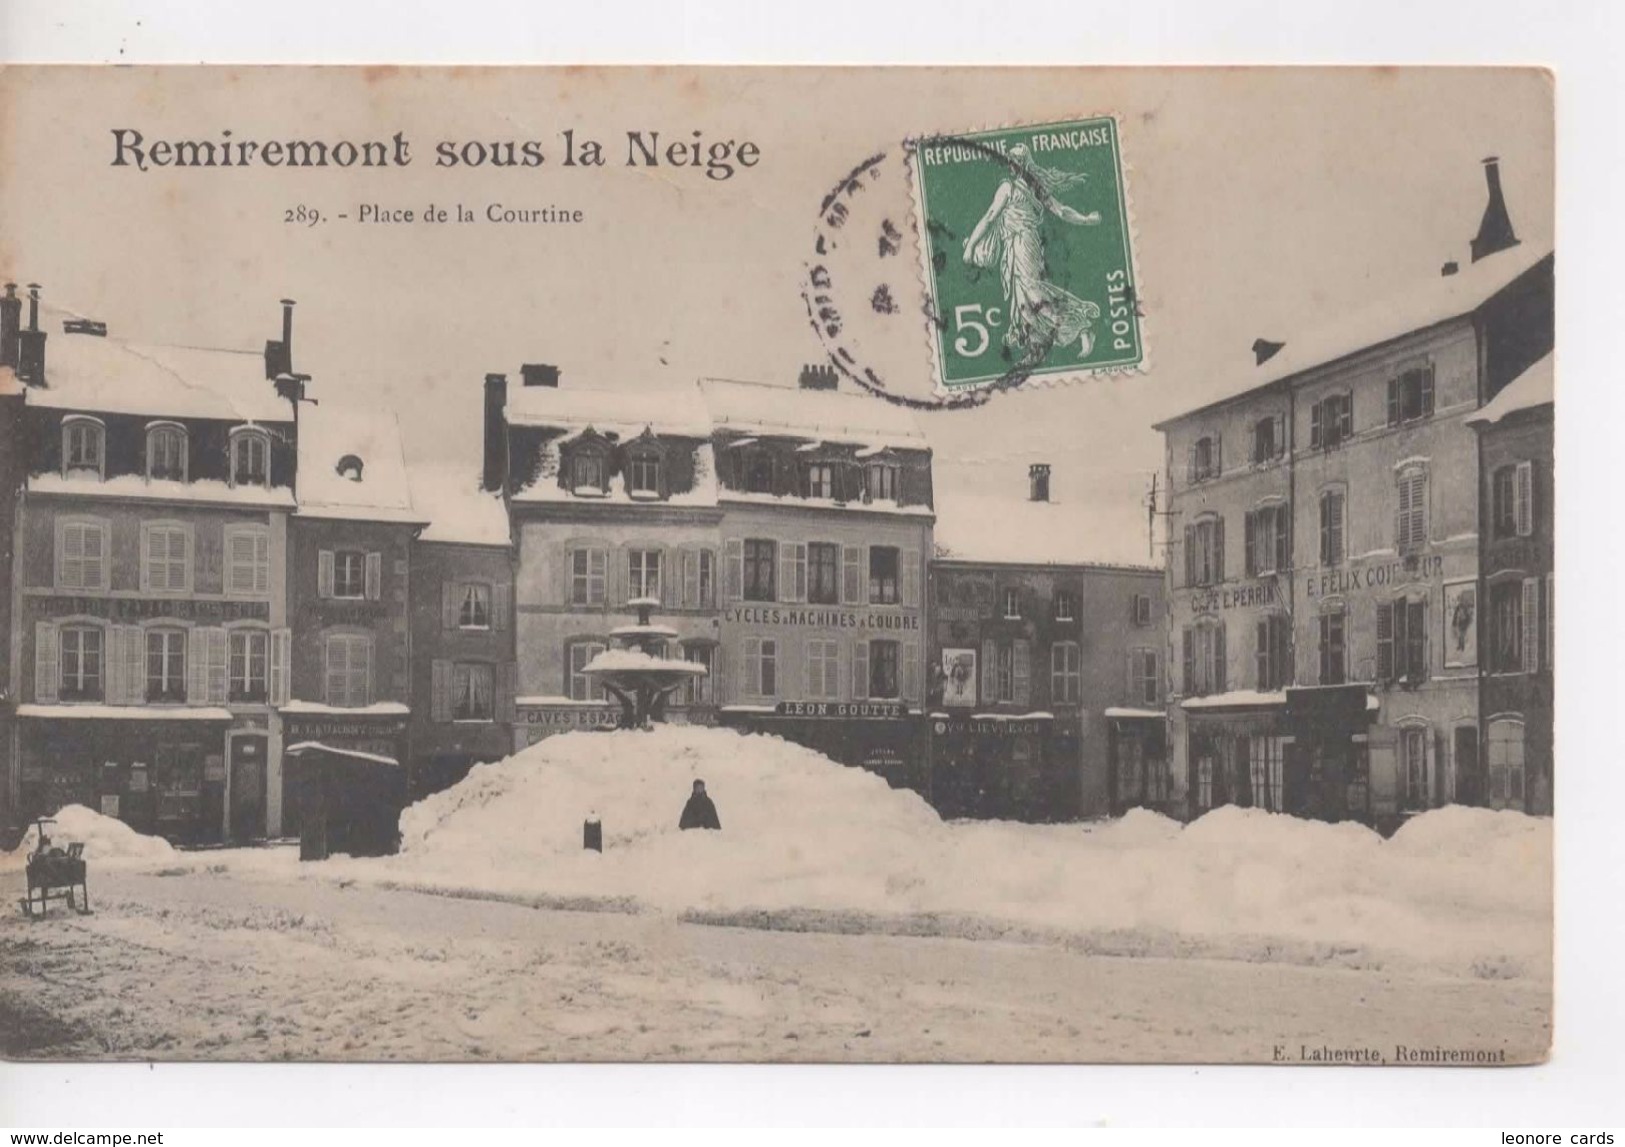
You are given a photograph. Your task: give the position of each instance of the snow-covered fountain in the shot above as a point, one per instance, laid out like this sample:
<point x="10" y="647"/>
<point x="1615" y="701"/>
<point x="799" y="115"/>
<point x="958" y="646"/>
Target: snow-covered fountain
<point x="635" y="670"/>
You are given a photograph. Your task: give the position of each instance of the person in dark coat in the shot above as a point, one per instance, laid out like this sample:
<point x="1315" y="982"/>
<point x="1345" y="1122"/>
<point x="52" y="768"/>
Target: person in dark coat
<point x="699" y="812"/>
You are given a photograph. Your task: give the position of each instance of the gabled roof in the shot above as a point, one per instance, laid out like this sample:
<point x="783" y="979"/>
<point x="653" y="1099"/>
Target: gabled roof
<point x="1535" y="387"/>
<point x="1422" y="304"/>
<point x="675" y="411"/>
<point x="459" y="510"/>
<point x="331" y="432"/>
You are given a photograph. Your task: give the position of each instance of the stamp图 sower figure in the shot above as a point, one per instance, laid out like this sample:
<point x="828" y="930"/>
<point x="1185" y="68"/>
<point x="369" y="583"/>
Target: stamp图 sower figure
<point x="1010" y="237"/>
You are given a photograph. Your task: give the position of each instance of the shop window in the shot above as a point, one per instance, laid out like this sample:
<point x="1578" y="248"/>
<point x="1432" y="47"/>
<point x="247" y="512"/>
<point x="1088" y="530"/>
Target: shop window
<point x="1066" y="673"/>
<point x="166" y="557"/>
<point x="1506" y="762"/>
<point x="1204" y="780"/>
<point x="880" y="480"/>
<point x="1272" y="653"/>
<point x="1512" y="500"/>
<point x="1332" y="518"/>
<point x="1410" y="396"/>
<point x="250" y="457"/>
<point x="1415" y="772"/>
<point x="761" y="666"/>
<point x="1144" y="677"/>
<point x="577" y="656"/>
<point x="248" y="560"/>
<point x="472" y="691"/>
<point x="643" y="475"/>
<point x="1411" y="514"/>
<point x="885" y="678"/>
<point x="885" y="563"/>
<point x="759" y="472"/>
<point x="1265" y="763"/>
<point x="473" y="605"/>
<point x="1204" y="552"/>
<point x="819" y="480"/>
<point x="589" y="569"/>
<point x="1066" y="605"/>
<point x="823" y="669"/>
<point x="1402" y="641"/>
<point x="643" y="573"/>
<point x="761" y="562"/>
<point x="81" y="553"/>
<point x="81" y="649"/>
<point x="84" y="446"/>
<point x="1331" y="422"/>
<point x="823" y="573"/>
<point x="1205" y="459"/>
<point x="166" y="664"/>
<point x="701" y="690"/>
<point x="1269" y="544"/>
<point x="348" y="669"/>
<point x="166" y="452"/>
<point x="247" y="665"/>
<point x="1333" y="647"/>
<point x="1204" y="658"/>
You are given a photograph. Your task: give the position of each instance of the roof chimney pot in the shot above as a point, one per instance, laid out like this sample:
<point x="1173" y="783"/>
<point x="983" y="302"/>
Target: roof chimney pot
<point x="1038" y="482"/>
<point x="11" y="322"/>
<point x="1495" y="228"/>
<point x="31" y="344"/>
<point x="817" y="376"/>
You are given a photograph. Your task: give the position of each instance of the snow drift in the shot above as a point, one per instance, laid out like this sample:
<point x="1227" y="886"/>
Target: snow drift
<point x="1463" y="889"/>
<point x="105" y="838"/>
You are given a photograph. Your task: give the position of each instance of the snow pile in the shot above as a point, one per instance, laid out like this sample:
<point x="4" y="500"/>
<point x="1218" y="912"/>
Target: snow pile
<point x="105" y="838"/>
<point x="1462" y="889"/>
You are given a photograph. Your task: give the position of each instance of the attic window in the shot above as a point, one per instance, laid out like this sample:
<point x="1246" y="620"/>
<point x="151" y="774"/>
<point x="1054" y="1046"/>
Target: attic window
<point x="83" y="441"/>
<point x="250" y="457"/>
<point x="350" y="467"/>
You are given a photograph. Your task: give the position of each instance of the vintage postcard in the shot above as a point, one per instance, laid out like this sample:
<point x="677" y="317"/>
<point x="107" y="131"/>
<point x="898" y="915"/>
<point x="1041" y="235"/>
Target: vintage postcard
<point x="777" y="564"/>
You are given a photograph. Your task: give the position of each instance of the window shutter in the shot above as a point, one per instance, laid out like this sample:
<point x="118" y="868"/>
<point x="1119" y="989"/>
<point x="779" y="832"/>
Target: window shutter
<point x="281" y="648"/>
<point x="1280" y="436"/>
<point x="853" y="584"/>
<point x="990" y="680"/>
<point x="1393" y="402"/>
<point x="1190" y="464"/>
<point x="1385" y="641"/>
<point x="1219" y="685"/>
<point x="1523" y="501"/>
<point x="216" y="644"/>
<point x="1261" y="654"/>
<point x="113" y="660"/>
<point x="501" y="605"/>
<point x="733" y="561"/>
<point x="1188" y="649"/>
<point x="911" y="671"/>
<point x="1218" y="455"/>
<point x="1249" y="551"/>
<point x="197" y="665"/>
<point x="860" y="670"/>
<point x="1317" y="425"/>
<point x="324" y="573"/>
<point x="1551" y="623"/>
<point x="262" y="562"/>
<point x="375" y="573"/>
<point x="1283" y="539"/>
<point x="1345" y="417"/>
<point x="369" y="672"/>
<point x="440" y="674"/>
<point x="135" y="664"/>
<point x="691" y="579"/>
<point x="787" y="572"/>
<point x="450" y="604"/>
<point x="1531" y="625"/>
<point x="47" y="661"/>
<point x="1022" y="671"/>
<point x="1427" y="391"/>
<point x="507" y="687"/>
<point x="911" y="578"/>
<point x="671" y="579"/>
<point x="1190" y="555"/>
<point x="1218" y="551"/>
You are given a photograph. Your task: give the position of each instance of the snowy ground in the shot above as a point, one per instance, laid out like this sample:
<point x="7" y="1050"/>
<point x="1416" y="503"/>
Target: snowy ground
<point x="246" y="962"/>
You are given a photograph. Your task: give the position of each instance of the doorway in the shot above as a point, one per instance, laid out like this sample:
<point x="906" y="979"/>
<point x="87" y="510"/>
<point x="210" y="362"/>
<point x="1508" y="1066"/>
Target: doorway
<point x="248" y="773"/>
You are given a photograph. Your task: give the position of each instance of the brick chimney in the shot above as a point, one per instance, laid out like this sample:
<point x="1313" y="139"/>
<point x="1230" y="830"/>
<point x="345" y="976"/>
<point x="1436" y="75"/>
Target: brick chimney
<point x="1495" y="229"/>
<point x="496" y="431"/>
<point x="538" y="374"/>
<point x="1038" y="482"/>
<point x="11" y="321"/>
<point x="279" y="352"/>
<point x="817" y="377"/>
<point x="31" y="344"/>
<point x="1264" y="350"/>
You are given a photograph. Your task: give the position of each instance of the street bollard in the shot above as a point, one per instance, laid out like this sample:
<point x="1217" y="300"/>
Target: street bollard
<point x="592" y="834"/>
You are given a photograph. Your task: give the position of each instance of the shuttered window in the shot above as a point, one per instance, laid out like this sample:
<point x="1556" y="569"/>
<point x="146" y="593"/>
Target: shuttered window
<point x="1530" y="638"/>
<point x="248" y="560"/>
<point x="473" y="691"/>
<point x="1333" y="647"/>
<point x="1203" y="649"/>
<point x="249" y="665"/>
<point x="81" y="558"/>
<point x="81" y="652"/>
<point x="166" y="557"/>
<point x="349" y="669"/>
<point x="823" y="573"/>
<point x="1272" y="653"/>
<point x="1204" y="552"/>
<point x="1402" y="646"/>
<point x="823" y="669"/>
<point x="1332" y="507"/>
<point x="701" y="690"/>
<point x="579" y="686"/>
<point x="1410" y="396"/>
<point x="589" y="568"/>
<point x="760" y="558"/>
<point x="1144" y="678"/>
<point x="166" y="664"/>
<point x="1410" y="521"/>
<point x="1066" y="673"/>
<point x="761" y="666"/>
<point x="885" y="676"/>
<point x="1268" y="544"/>
<point x="884" y="575"/>
<point x="643" y="573"/>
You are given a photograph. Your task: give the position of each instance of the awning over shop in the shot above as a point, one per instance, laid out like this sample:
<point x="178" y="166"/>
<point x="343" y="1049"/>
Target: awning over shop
<point x="1235" y="699"/>
<point x="1121" y="713"/>
<point x="304" y="747"/>
<point x="122" y="713"/>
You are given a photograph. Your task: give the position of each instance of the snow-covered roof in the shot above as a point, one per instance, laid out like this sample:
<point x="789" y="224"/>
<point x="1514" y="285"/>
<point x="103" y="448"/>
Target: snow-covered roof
<point x="545" y="487"/>
<point x="626" y="413"/>
<point x="1235" y="699"/>
<point x="458" y="508"/>
<point x="1534" y="387"/>
<point x="208" y="491"/>
<point x="112" y="376"/>
<point x="825" y="415"/>
<point x="331" y="433"/>
<point x="125" y="712"/>
<point x="1129" y="713"/>
<point x="1391" y="314"/>
<point x="317" y="708"/>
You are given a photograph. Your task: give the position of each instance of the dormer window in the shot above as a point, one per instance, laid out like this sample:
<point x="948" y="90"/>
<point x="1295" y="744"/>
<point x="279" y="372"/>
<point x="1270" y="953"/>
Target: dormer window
<point x="759" y="472"/>
<point x="820" y="481"/>
<point x="250" y="457"/>
<point x="587" y="473"/>
<point x="166" y="451"/>
<point x="643" y="475"/>
<point x="350" y="466"/>
<point x="83" y="447"/>
<point x="881" y="481"/>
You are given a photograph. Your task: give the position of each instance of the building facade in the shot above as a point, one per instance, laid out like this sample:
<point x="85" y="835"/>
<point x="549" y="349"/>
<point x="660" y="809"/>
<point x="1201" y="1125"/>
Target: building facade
<point x="1323" y="576"/>
<point x="149" y="636"/>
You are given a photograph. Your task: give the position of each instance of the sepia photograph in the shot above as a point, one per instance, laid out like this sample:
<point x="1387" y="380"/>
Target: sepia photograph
<point x="822" y="565"/>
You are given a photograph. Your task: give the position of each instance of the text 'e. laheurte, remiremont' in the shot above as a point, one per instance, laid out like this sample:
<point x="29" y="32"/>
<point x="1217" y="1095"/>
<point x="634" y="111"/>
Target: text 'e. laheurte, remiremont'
<point x="718" y="159"/>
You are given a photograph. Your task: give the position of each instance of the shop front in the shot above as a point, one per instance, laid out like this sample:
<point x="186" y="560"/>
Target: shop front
<point x="378" y="734"/>
<point x="536" y="720"/>
<point x="1006" y="766"/>
<point x="1237" y="748"/>
<point x="1137" y="756"/>
<point x="162" y="775"/>
<point x="1330" y="727"/>
<point x="881" y="736"/>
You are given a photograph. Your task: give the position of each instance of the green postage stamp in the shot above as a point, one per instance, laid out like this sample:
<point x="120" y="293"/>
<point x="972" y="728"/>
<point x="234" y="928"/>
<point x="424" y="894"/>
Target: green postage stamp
<point x="1028" y="267"/>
